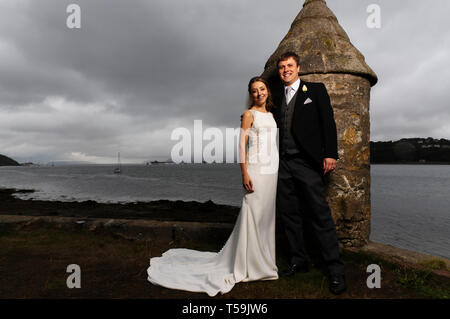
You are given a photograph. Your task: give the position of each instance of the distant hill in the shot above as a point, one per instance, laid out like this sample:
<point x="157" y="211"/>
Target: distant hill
<point x="63" y="163"/>
<point x="6" y="161"/>
<point x="411" y="150"/>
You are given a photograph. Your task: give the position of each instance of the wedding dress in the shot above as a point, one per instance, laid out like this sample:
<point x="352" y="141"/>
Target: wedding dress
<point x="249" y="253"/>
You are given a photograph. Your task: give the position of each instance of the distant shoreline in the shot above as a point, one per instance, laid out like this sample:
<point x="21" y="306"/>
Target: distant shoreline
<point x="160" y="164"/>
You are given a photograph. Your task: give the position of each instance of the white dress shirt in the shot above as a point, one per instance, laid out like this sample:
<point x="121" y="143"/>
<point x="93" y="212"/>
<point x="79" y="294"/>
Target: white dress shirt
<point x="293" y="89"/>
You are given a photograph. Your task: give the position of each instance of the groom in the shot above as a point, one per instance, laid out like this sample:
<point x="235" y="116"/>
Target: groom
<point x="308" y="151"/>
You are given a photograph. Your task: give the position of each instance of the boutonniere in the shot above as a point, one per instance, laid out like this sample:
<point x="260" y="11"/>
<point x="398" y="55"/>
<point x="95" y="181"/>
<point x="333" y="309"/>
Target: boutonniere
<point x="304" y="88"/>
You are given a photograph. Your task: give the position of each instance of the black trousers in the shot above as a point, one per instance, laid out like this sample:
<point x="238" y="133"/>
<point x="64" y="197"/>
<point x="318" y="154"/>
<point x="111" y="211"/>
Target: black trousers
<point x="301" y="194"/>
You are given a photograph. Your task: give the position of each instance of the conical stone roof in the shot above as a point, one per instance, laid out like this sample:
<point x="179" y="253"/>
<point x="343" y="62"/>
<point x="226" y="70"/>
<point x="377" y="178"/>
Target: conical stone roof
<point x="322" y="45"/>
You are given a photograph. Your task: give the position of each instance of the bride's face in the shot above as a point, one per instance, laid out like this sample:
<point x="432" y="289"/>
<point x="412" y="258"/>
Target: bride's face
<point x="259" y="93"/>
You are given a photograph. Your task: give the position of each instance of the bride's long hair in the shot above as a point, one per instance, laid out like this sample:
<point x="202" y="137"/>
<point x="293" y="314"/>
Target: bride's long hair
<point x="269" y="102"/>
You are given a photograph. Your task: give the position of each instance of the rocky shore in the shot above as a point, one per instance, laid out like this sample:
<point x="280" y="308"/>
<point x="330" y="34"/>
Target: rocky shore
<point x="159" y="210"/>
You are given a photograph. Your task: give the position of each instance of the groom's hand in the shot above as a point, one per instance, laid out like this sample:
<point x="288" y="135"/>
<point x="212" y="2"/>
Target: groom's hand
<point x="329" y="164"/>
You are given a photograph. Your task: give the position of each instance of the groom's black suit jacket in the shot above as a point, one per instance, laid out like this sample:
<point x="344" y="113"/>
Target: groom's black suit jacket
<point x="313" y="126"/>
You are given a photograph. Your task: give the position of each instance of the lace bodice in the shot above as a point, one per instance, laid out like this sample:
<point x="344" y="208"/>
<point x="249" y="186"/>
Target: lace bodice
<point x="262" y="140"/>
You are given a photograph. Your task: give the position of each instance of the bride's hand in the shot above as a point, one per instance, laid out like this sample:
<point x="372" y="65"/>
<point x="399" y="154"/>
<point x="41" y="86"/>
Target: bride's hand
<point x="247" y="183"/>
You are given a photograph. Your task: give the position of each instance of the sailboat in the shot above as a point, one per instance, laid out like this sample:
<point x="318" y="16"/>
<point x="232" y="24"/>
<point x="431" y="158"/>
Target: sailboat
<point x="118" y="169"/>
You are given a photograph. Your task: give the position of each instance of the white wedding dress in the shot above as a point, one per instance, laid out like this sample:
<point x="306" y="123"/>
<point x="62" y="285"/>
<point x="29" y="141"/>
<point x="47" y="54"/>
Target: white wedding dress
<point x="249" y="253"/>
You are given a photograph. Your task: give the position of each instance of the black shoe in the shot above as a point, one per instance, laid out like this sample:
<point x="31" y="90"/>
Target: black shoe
<point x="337" y="284"/>
<point x="294" y="268"/>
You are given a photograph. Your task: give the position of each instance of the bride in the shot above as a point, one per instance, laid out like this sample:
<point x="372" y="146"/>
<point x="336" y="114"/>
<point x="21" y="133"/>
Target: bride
<point x="249" y="253"/>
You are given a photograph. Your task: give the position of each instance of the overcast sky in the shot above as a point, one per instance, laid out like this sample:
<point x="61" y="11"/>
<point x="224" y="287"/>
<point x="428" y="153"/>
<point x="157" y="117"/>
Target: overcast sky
<point x="138" y="69"/>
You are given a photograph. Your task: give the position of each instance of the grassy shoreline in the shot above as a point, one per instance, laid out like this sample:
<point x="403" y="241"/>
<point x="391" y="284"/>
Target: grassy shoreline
<point x="34" y="258"/>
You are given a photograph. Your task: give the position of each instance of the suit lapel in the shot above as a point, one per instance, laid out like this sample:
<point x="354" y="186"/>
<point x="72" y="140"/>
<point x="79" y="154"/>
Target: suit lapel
<point x="301" y="98"/>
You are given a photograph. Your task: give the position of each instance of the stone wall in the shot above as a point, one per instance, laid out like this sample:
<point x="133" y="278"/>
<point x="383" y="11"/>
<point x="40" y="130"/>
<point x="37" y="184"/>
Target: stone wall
<point x="349" y="185"/>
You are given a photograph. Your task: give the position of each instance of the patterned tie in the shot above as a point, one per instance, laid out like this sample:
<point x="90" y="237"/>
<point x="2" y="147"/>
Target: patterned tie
<point x="289" y="91"/>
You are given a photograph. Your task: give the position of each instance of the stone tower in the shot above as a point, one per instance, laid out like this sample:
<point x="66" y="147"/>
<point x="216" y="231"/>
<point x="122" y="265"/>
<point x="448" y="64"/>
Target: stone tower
<point x="327" y="56"/>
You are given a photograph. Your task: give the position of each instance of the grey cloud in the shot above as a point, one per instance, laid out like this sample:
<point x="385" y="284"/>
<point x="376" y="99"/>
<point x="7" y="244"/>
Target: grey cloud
<point x="155" y="65"/>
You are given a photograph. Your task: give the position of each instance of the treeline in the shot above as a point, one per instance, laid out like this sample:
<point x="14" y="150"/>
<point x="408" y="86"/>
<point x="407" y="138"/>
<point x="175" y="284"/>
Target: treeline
<point x="6" y="161"/>
<point x="411" y="150"/>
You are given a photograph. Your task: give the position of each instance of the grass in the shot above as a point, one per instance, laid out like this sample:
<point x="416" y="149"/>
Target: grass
<point x="435" y="264"/>
<point x="421" y="282"/>
<point x="33" y="263"/>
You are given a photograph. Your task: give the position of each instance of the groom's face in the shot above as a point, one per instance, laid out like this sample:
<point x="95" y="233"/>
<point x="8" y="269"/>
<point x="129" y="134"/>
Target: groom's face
<point x="288" y="70"/>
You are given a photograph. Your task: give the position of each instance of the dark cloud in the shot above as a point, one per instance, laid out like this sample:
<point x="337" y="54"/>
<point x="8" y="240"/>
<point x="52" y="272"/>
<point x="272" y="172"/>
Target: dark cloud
<point x="138" y="69"/>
